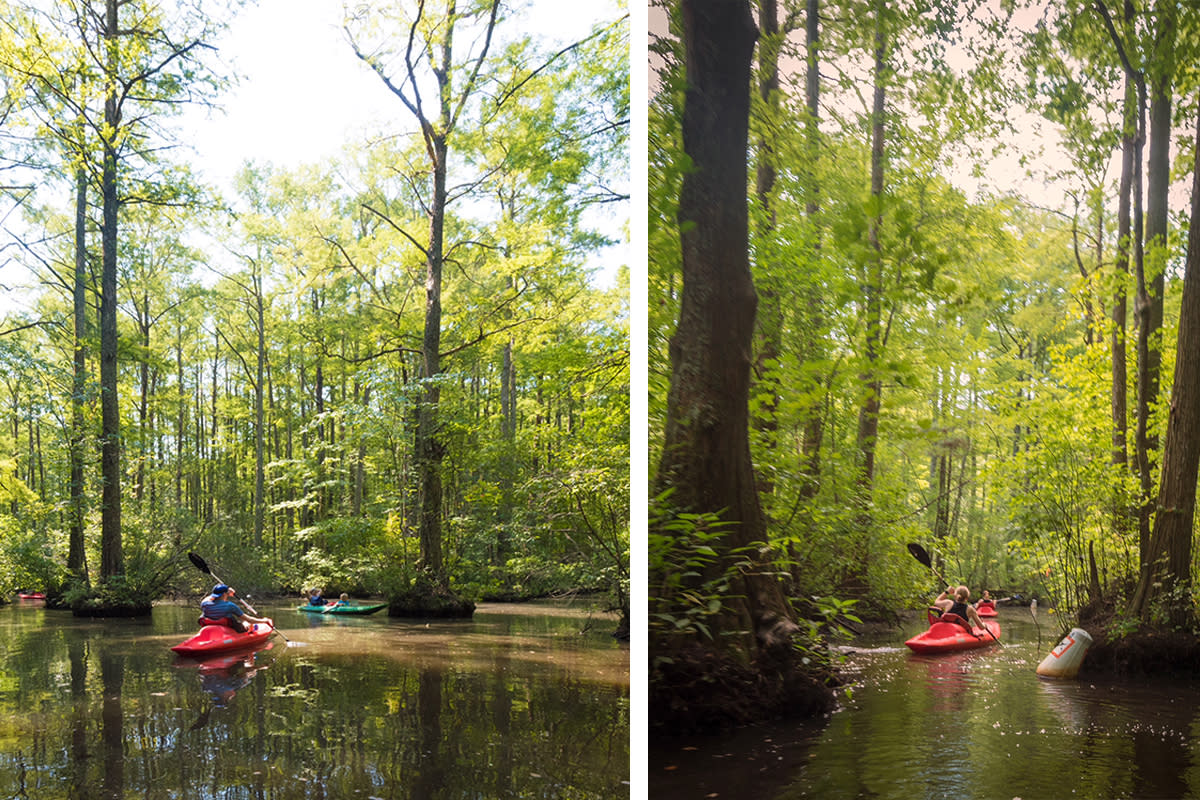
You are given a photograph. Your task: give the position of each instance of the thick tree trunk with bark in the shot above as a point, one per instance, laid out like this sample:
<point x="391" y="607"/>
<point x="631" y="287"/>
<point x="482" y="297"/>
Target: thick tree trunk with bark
<point x="432" y="40"/>
<point x="1130" y="248"/>
<point x="1151" y="281"/>
<point x="76" y="553"/>
<point x="747" y="667"/>
<point x="1166" y="571"/>
<point x="429" y="448"/>
<point x="112" y="561"/>
<point x="706" y="455"/>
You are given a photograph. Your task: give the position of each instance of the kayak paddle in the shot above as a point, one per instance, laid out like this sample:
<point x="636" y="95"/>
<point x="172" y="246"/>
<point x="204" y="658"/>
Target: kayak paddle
<point x="202" y="565"/>
<point x="922" y="555"/>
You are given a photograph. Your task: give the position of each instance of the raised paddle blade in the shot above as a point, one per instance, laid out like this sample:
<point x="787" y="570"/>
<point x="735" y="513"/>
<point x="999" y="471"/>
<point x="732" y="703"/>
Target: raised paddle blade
<point x="199" y="563"/>
<point x="920" y="554"/>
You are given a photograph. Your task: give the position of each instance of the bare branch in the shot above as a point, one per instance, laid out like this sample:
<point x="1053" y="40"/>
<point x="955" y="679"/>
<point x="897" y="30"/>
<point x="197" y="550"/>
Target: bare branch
<point x="400" y="230"/>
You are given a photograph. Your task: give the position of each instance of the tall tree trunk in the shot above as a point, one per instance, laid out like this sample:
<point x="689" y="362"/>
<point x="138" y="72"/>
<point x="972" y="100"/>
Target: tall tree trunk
<point x="1166" y="571"/>
<point x="76" y="552"/>
<point x="1130" y="247"/>
<point x="813" y="346"/>
<point x="706" y="451"/>
<point x="1129" y="149"/>
<point x="360" y="471"/>
<point x="1151" y="283"/>
<point x="508" y="438"/>
<point x="323" y="439"/>
<point x="1089" y="311"/>
<point x="259" y="418"/>
<point x="210" y="509"/>
<point x="429" y="447"/>
<point x="144" y="323"/>
<point x="180" y="414"/>
<point x="769" y="278"/>
<point x="112" y="561"/>
<point x="438" y="53"/>
<point x="868" y="418"/>
<point x="870" y="378"/>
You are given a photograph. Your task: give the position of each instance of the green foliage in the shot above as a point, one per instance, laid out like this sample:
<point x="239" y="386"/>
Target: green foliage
<point x="27" y="558"/>
<point x="153" y="564"/>
<point x="112" y="596"/>
<point x="1123" y="625"/>
<point x="343" y="555"/>
<point x="688" y="582"/>
<point x="313" y="322"/>
<point x="815" y="641"/>
<point x="996" y="436"/>
<point x="1163" y="608"/>
<point x="833" y="611"/>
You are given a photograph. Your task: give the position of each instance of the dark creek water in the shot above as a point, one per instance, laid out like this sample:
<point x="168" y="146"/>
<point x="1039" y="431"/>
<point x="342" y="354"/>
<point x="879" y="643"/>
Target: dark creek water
<point x="517" y="702"/>
<point x="979" y="724"/>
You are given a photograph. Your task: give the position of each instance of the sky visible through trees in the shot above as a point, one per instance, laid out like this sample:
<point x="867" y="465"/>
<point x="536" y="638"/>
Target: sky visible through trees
<point x="292" y="55"/>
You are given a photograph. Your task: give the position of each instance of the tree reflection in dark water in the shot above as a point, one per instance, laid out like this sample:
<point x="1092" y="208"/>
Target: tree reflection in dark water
<point x="976" y="724"/>
<point x="495" y="709"/>
<point x="112" y="730"/>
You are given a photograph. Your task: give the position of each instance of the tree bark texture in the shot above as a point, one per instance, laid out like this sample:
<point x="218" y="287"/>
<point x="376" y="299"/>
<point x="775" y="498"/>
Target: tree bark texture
<point x="429" y="447"/>
<point x="706" y="453"/>
<point x="76" y="552"/>
<point x="1166" y="571"/>
<point x="868" y="418"/>
<point x="1151" y="284"/>
<point x="814" y="344"/>
<point x="259" y="418"/>
<point x="112" y="560"/>
<point x="769" y="319"/>
<point x="1129" y="147"/>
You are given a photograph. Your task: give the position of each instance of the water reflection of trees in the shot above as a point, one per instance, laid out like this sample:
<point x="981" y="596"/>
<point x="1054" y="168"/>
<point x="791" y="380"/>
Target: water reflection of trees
<point x="90" y="716"/>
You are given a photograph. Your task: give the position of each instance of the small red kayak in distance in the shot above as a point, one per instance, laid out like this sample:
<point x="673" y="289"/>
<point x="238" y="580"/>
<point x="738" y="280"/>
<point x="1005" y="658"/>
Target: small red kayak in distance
<point x="949" y="637"/>
<point x="219" y="638"/>
<point x="987" y="608"/>
<point x="31" y="595"/>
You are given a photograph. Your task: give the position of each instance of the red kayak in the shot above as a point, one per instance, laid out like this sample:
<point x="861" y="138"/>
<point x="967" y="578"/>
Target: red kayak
<point x="987" y="608"/>
<point x="948" y="636"/>
<point x="219" y="638"/>
<point x="31" y="595"/>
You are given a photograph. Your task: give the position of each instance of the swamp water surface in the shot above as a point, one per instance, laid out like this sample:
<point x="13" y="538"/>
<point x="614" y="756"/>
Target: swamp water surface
<point x="977" y="724"/>
<point x="517" y="702"/>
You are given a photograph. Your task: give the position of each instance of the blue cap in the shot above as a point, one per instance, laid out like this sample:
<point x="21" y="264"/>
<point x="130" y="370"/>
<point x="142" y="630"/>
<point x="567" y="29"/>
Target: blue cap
<point x="219" y="589"/>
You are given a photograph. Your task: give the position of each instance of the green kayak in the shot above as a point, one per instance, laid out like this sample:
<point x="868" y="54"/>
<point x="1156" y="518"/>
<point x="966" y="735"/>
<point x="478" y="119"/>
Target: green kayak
<point x="371" y="609"/>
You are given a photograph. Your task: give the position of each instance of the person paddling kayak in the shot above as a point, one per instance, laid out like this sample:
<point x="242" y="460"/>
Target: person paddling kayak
<point x="959" y="605"/>
<point x="220" y="608"/>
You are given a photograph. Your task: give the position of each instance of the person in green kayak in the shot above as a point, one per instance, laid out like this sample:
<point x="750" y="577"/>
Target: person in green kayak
<point x="219" y="606"/>
<point x="958" y="601"/>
